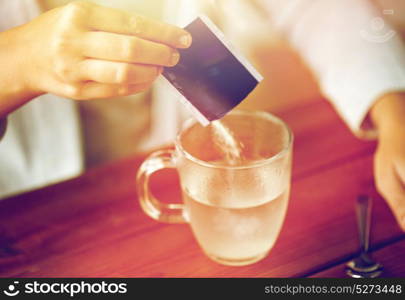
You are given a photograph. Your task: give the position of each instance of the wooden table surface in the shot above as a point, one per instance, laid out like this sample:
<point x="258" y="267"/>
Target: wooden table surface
<point x="93" y="225"/>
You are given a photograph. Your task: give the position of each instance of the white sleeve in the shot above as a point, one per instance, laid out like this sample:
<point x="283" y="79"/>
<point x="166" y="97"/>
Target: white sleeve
<point x="355" y="55"/>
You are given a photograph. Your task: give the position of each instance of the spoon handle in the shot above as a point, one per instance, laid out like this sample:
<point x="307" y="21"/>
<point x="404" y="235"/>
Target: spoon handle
<point x="363" y="212"/>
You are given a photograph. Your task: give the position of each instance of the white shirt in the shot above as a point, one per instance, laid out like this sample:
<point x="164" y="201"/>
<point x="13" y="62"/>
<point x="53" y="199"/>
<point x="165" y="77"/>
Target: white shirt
<point x="349" y="45"/>
<point x="43" y="145"/>
<point x="42" y="142"/>
<point x="354" y="58"/>
<point x="356" y="55"/>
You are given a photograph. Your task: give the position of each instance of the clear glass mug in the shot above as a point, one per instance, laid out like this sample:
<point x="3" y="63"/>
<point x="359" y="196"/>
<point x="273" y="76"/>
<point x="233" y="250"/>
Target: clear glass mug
<point x="235" y="208"/>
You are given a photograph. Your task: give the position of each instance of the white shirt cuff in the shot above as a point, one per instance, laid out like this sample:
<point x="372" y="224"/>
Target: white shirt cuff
<point x="356" y="55"/>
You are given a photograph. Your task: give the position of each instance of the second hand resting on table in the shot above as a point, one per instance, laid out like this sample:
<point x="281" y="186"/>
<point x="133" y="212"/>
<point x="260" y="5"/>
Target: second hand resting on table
<point x="389" y="160"/>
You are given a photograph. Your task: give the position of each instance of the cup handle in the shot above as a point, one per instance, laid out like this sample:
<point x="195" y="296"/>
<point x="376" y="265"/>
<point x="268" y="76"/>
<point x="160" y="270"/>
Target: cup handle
<point x="168" y="213"/>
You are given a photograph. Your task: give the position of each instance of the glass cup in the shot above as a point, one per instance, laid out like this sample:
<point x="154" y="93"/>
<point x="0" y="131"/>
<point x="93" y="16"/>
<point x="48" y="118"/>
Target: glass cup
<point x="235" y="204"/>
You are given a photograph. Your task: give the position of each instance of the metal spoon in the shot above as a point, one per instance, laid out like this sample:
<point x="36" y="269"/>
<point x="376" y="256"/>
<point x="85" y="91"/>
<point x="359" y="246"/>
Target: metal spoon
<point x="363" y="266"/>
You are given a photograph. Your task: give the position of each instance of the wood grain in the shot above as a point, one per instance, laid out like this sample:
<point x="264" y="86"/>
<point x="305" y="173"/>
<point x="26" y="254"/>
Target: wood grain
<point x="321" y="139"/>
<point x="390" y="256"/>
<point x="93" y="225"/>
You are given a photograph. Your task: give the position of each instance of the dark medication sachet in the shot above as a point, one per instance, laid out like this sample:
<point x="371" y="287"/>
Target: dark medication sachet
<point x="212" y="77"/>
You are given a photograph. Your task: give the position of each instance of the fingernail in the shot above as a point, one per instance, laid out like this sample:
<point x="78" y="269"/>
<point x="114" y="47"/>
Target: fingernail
<point x="185" y="40"/>
<point x="175" y="58"/>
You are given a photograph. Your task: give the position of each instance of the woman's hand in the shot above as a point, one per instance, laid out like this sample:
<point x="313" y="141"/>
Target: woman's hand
<point x="86" y="51"/>
<point x="388" y="115"/>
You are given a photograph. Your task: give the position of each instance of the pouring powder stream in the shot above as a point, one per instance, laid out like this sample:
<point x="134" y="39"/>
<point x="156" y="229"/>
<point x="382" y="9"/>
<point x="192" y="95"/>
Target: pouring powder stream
<point x="227" y="143"/>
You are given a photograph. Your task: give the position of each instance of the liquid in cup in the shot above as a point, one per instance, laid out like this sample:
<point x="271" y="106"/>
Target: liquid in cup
<point x="235" y="207"/>
<point x="240" y="235"/>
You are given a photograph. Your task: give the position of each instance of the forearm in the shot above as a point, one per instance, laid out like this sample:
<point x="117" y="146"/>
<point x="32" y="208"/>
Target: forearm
<point x="387" y="114"/>
<point x="352" y="68"/>
<point x="14" y="90"/>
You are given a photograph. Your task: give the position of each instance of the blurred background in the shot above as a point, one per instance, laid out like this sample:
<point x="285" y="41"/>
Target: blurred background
<point x="115" y="128"/>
